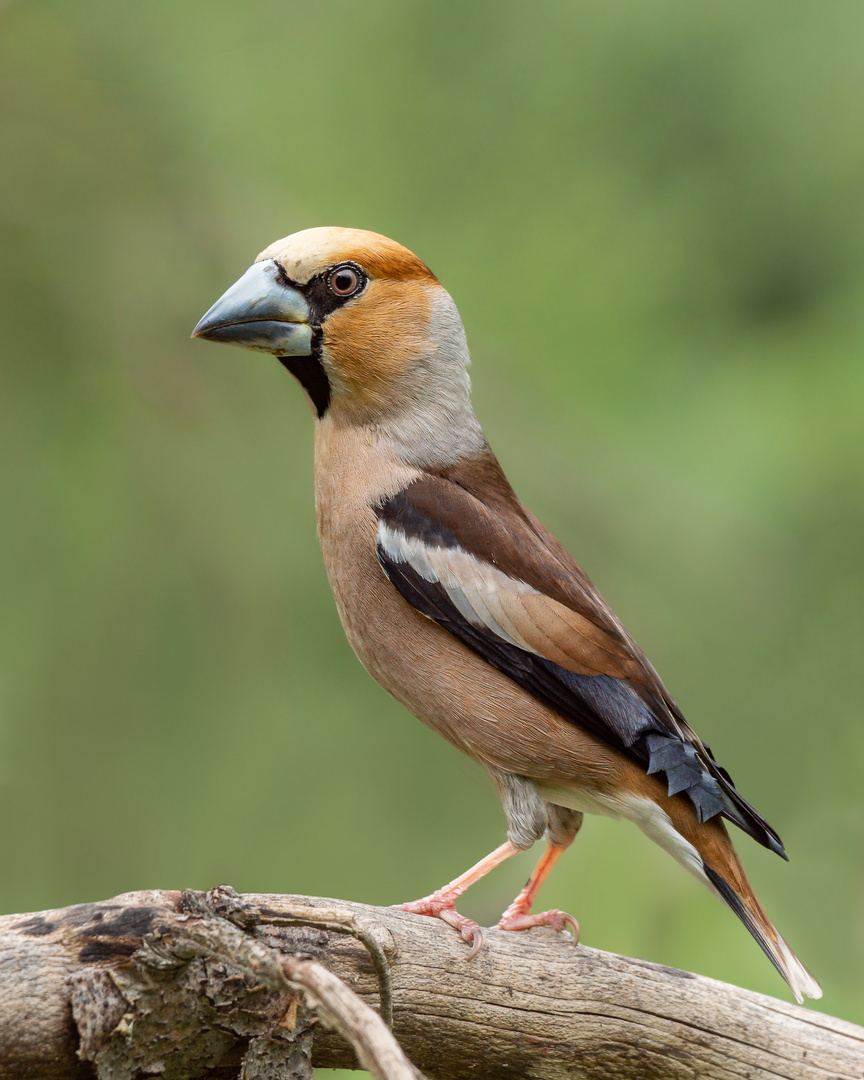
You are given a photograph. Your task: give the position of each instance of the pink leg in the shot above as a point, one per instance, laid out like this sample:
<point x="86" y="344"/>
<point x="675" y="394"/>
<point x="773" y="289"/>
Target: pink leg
<point x="518" y="916"/>
<point x="442" y="904"/>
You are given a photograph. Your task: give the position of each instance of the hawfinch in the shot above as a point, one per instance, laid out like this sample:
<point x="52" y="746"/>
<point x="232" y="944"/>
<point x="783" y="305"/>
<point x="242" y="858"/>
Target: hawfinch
<point x="458" y="601"/>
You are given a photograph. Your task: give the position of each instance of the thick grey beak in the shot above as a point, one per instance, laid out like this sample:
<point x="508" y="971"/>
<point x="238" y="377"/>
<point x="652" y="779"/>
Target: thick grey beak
<point x="259" y="312"/>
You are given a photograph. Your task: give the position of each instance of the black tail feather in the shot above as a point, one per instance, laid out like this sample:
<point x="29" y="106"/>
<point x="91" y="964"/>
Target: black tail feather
<point x="800" y="981"/>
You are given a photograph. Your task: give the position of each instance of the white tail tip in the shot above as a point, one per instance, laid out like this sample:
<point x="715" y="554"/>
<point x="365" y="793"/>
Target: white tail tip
<point x="801" y="982"/>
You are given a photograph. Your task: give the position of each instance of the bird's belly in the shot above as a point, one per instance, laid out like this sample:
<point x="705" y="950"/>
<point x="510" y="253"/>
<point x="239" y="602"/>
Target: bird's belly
<point x="449" y="687"/>
<point x="578" y="798"/>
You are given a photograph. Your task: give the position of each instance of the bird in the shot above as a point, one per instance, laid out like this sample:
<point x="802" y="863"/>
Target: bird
<point x="459" y="602"/>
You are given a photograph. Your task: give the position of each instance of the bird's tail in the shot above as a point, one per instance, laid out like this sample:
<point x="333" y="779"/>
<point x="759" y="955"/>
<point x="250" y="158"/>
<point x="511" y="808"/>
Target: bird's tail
<point x="731" y="885"/>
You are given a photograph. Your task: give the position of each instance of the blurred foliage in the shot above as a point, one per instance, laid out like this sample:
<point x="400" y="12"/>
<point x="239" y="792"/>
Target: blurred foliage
<point x="652" y="219"/>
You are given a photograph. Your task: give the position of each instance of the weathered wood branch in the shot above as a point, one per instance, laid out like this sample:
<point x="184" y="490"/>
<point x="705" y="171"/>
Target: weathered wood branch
<point x="189" y="985"/>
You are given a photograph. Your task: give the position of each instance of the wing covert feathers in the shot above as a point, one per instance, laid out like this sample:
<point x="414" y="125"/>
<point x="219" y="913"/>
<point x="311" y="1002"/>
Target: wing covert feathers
<point x="462" y="550"/>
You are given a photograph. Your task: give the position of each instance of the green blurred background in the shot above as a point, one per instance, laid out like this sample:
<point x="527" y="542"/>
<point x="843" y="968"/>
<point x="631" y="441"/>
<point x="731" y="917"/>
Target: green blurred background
<point x="652" y="219"/>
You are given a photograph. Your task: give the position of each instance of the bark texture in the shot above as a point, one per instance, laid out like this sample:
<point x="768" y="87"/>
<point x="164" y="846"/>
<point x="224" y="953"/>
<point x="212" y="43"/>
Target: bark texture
<point x="188" y="985"/>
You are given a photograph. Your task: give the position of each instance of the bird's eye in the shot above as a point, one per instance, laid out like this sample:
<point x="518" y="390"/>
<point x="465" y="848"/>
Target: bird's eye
<point x="344" y="280"/>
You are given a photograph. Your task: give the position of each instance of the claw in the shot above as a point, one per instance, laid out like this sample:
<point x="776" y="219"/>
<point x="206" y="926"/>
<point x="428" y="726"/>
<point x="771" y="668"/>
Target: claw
<point x="513" y="919"/>
<point x="476" y="942"/>
<point x="444" y="908"/>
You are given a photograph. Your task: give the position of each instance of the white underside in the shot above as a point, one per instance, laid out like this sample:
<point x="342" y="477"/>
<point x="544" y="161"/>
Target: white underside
<point x="651" y="819"/>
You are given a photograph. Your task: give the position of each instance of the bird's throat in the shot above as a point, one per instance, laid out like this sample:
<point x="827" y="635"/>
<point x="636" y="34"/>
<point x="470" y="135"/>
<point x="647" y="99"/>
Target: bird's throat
<point x="309" y="372"/>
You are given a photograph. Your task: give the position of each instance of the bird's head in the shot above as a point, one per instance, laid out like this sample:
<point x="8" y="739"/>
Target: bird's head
<point x="363" y="324"/>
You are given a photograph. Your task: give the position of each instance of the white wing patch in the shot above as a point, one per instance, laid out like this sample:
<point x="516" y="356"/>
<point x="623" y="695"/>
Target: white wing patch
<point x="480" y="592"/>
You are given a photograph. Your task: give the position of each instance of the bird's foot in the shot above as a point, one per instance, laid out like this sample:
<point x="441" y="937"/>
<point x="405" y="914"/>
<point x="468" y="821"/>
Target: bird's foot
<point x="517" y="918"/>
<point x="442" y="906"/>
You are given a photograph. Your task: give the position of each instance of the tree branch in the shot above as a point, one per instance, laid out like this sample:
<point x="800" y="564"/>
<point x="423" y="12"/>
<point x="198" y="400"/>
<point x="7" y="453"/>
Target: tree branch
<point x="216" y="985"/>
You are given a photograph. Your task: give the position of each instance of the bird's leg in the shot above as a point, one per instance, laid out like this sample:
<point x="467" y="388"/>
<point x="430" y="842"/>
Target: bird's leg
<point x="442" y="903"/>
<point x="564" y="824"/>
<point x="518" y="916"/>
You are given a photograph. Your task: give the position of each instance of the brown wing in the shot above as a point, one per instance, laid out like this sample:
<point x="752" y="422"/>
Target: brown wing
<point x="494" y="577"/>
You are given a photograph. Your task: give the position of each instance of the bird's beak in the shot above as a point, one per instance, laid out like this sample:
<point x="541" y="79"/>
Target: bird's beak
<point x="259" y="312"/>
